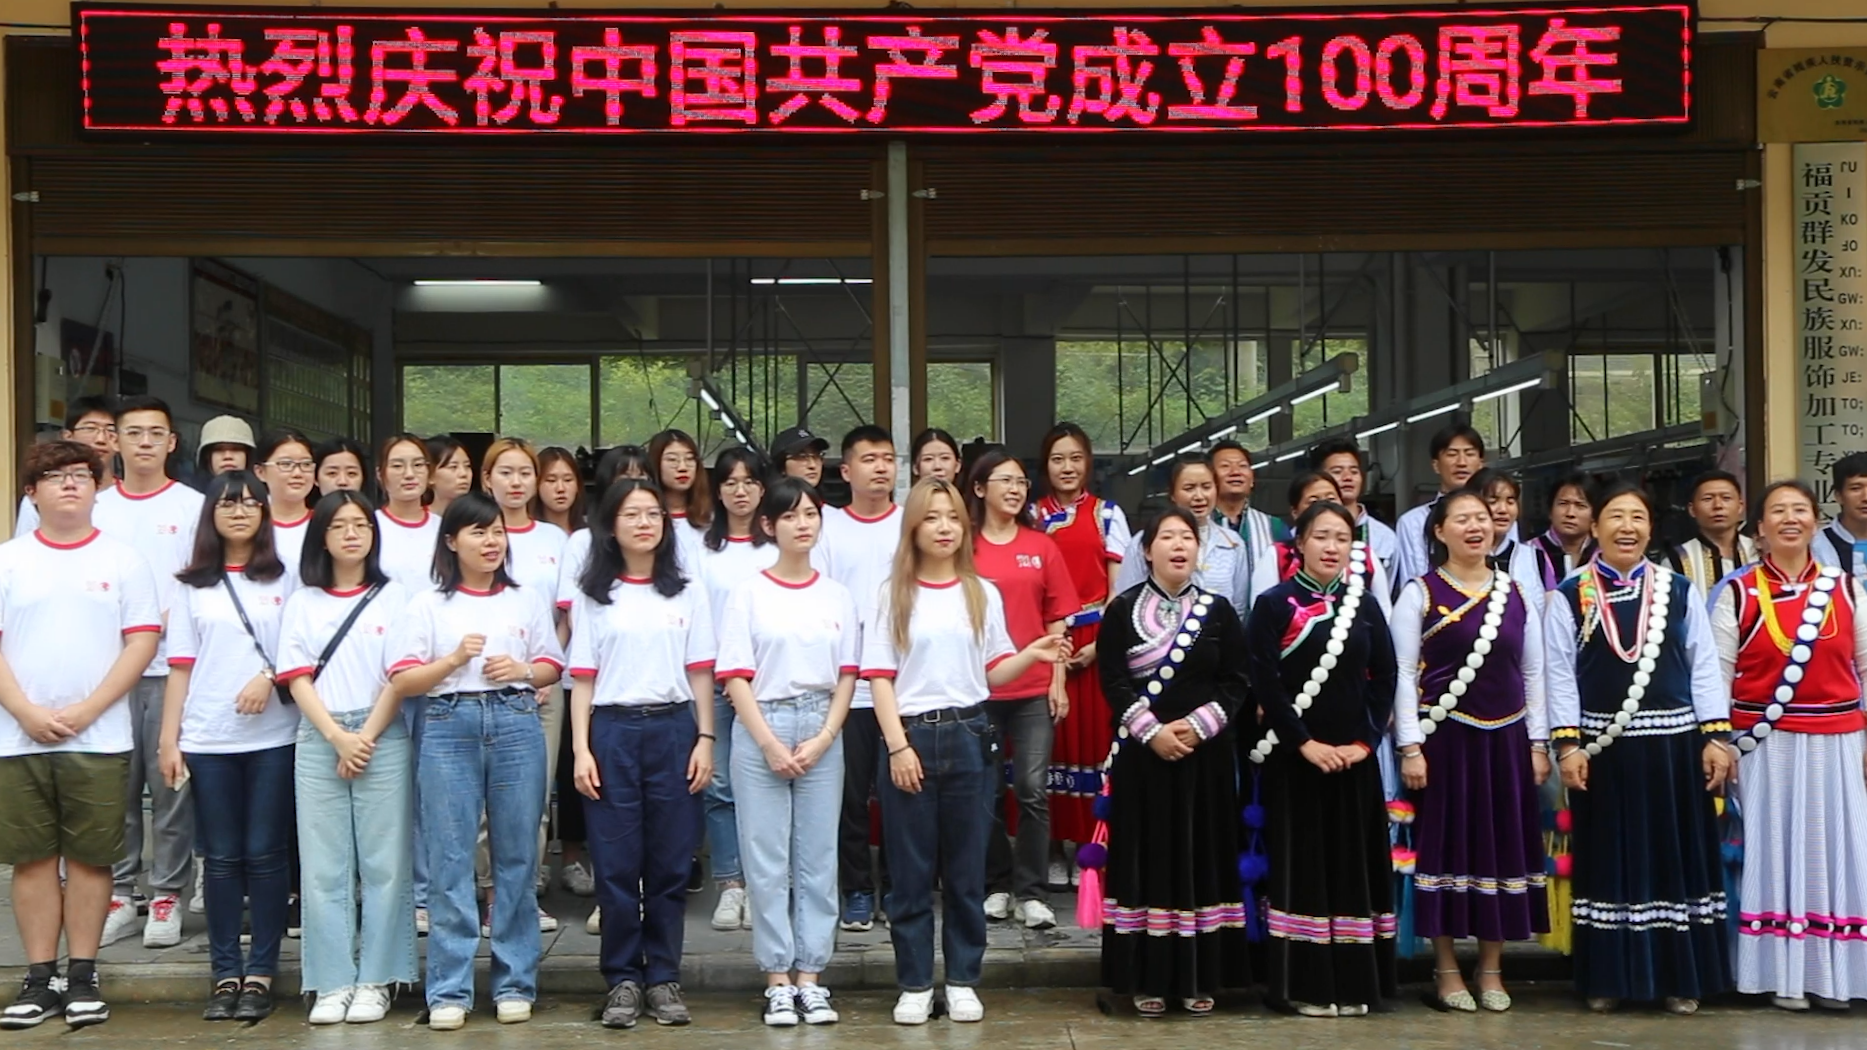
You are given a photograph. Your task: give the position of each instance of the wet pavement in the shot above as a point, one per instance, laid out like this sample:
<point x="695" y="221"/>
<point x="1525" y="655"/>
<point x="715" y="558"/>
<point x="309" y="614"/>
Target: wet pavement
<point x="1015" y="1020"/>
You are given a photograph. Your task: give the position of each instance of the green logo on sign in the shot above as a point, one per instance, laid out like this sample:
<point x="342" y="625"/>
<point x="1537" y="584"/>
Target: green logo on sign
<point x="1830" y="92"/>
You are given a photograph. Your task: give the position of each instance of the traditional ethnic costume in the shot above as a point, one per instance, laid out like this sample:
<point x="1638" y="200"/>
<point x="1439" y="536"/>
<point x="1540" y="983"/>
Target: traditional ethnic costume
<point x="1092" y="533"/>
<point x="1366" y="563"/>
<point x="1633" y="677"/>
<point x="1330" y="893"/>
<point x="1226" y="566"/>
<point x="1470" y="694"/>
<point x="1702" y="563"/>
<point x="1553" y="560"/>
<point x="1793" y="650"/>
<point x="1173" y="911"/>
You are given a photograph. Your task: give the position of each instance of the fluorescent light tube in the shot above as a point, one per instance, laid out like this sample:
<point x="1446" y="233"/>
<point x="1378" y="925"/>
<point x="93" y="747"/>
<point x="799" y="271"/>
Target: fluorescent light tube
<point x="1316" y="393"/>
<point x="475" y="283"/>
<point x="812" y="280"/>
<point x="1222" y="431"/>
<point x="1264" y="415"/>
<point x="1382" y="429"/>
<point x="1289" y="456"/>
<point x="1137" y="470"/>
<point x="1525" y="385"/>
<point x="1440" y="411"/>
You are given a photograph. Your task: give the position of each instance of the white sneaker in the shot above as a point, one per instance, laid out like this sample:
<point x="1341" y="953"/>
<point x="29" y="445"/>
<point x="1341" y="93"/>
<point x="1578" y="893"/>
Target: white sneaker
<point x="578" y="879"/>
<point x="198" y="903"/>
<point x="421" y="922"/>
<point x="731" y="911"/>
<point x="547" y="923"/>
<point x="164" y="928"/>
<point x="594" y="924"/>
<point x="117" y="923"/>
<point x="369" y="1005"/>
<point x="998" y="906"/>
<point x="447" y="1018"/>
<point x="513" y="1011"/>
<point x="1036" y="915"/>
<point x="780" y="1006"/>
<point x="963" y="1005"/>
<point x="1059" y="876"/>
<point x="813" y="1001"/>
<point x="914" y="1007"/>
<point x="333" y="1007"/>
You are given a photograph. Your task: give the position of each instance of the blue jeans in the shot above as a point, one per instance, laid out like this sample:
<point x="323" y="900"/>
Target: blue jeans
<point x="482" y="752"/>
<point x="643" y="830"/>
<point x="945" y="824"/>
<point x="722" y="821"/>
<point x="243" y="814"/>
<point x="788" y="839"/>
<point x="413" y="709"/>
<point x="351" y="832"/>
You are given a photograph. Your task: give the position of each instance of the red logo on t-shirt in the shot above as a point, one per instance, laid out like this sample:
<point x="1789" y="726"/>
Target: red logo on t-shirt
<point x="97" y="585"/>
<point x="164" y="529"/>
<point x="1030" y="561"/>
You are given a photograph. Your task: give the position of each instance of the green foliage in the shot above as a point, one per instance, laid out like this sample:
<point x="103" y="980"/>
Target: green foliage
<point x="960" y="399"/>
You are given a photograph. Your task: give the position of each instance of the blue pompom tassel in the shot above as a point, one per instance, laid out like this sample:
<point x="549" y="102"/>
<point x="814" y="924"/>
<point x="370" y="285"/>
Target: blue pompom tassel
<point x="1252" y="868"/>
<point x="1103" y="808"/>
<point x="1253" y="816"/>
<point x="1092" y="855"/>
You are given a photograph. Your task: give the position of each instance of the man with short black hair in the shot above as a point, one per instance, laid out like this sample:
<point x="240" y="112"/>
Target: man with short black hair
<point x="1717" y="510"/>
<point x="78" y="623"/>
<point x="156" y="516"/>
<point x="1569" y="542"/>
<point x="799" y="454"/>
<point x="1341" y="458"/>
<point x="1458" y="452"/>
<point x="90" y="421"/>
<point x="1235" y="479"/>
<point x="1843" y="541"/>
<point x="856" y="548"/>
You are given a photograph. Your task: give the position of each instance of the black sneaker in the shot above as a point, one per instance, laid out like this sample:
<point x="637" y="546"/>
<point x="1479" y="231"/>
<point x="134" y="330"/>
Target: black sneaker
<point x="40" y="996"/>
<point x="294" y="918"/>
<point x="84" y="1002"/>
<point x="696" y="877"/>
<point x="624" y="1006"/>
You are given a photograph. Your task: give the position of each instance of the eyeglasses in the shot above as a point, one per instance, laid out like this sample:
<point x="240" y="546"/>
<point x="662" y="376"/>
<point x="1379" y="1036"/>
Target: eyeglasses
<point x="245" y="503"/>
<point x="347" y="528"/>
<point x="406" y="466"/>
<point x="152" y="435"/>
<point x="1015" y="481"/>
<point x="91" y="430"/>
<point x="639" y="517"/>
<point x="291" y="466"/>
<point x="740" y="485"/>
<point x="73" y="476"/>
<point x="808" y="456"/>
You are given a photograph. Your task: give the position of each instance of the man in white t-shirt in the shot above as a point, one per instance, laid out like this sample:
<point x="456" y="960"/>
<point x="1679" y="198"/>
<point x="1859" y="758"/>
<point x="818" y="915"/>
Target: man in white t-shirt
<point x="857" y="550"/>
<point x="78" y="623"/>
<point x="156" y="515"/>
<point x="89" y="421"/>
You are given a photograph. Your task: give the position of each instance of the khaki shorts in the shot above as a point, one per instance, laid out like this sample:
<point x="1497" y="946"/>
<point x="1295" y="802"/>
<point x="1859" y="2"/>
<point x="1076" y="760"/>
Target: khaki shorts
<point x="63" y="804"/>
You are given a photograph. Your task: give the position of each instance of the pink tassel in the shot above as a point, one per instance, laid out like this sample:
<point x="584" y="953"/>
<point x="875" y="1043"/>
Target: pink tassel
<point x="1089" y="889"/>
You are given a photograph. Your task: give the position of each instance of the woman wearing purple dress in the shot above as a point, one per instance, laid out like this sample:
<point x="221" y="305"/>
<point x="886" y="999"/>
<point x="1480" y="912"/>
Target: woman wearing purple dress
<point x="1473" y="737"/>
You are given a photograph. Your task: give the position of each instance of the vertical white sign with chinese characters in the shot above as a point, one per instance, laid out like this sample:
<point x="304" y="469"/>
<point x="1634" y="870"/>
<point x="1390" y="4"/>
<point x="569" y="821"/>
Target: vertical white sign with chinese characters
<point x="1831" y="306"/>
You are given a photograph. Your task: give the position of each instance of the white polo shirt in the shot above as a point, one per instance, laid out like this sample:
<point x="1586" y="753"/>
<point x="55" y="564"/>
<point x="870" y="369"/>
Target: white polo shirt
<point x="640" y="647"/>
<point x="64" y="612"/>
<point x="945" y="662"/>
<point x="516" y="623"/>
<point x="789" y="639"/>
<point x="359" y="669"/>
<point x="206" y="636"/>
<point x="160" y="526"/>
<point x="859" y="553"/>
<point x="405" y="549"/>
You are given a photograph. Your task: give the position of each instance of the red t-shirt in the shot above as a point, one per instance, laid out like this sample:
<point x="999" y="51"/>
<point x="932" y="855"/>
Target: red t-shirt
<point x="1031" y="577"/>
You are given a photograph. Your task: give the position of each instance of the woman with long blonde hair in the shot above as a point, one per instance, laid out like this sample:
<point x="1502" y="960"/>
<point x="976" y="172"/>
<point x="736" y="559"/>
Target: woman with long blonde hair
<point x="935" y="647"/>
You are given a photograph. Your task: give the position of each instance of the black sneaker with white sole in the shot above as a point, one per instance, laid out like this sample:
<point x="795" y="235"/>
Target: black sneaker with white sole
<point x="41" y="995"/>
<point x="84" y="1001"/>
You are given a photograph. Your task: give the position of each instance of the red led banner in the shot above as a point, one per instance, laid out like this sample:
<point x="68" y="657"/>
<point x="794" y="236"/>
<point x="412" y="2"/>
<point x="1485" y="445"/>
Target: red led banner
<point x="159" y="69"/>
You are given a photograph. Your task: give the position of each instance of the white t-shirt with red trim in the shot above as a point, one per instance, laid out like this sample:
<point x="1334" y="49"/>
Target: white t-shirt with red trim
<point x="64" y="612"/>
<point x="789" y="639"/>
<point x="288" y="539"/>
<point x="570" y="566"/>
<point x="405" y="549"/>
<point x="515" y="621"/>
<point x="640" y="647"/>
<point x="358" y="670"/>
<point x="723" y="570"/>
<point x="534" y="557"/>
<point x="859" y="553"/>
<point x="206" y="636"/>
<point x="160" y="526"/>
<point x="945" y="663"/>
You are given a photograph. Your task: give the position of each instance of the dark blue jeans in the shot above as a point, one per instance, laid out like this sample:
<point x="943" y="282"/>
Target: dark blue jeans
<point x="945" y="824"/>
<point x="643" y="831"/>
<point x="244" y="815"/>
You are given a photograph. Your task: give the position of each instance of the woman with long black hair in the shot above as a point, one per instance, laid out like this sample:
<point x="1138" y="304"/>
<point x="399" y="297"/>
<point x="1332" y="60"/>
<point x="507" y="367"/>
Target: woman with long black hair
<point x="642" y="654"/>
<point x="674" y="461"/>
<point x="223" y="725"/>
<point x="479" y="648"/>
<point x="284" y="464"/>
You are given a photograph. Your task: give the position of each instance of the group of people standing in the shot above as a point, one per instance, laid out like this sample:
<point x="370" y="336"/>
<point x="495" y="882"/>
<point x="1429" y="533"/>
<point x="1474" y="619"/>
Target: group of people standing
<point x="358" y="681"/>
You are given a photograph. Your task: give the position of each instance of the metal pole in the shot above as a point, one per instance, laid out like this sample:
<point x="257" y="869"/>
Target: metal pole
<point x="899" y="418"/>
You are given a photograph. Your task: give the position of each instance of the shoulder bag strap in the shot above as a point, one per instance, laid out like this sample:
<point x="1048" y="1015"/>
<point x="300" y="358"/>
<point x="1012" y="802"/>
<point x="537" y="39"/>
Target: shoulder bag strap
<point x="343" y="629"/>
<point x="245" y="621"/>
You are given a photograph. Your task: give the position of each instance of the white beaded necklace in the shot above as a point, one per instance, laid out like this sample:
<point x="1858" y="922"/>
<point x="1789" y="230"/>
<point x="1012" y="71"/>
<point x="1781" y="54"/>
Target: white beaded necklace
<point x="1799" y="656"/>
<point x="1475" y="660"/>
<point x="1344" y="619"/>
<point x="1656" y="597"/>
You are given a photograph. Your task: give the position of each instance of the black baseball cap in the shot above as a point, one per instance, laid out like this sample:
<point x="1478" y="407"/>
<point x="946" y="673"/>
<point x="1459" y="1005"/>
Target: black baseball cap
<point x="795" y="442"/>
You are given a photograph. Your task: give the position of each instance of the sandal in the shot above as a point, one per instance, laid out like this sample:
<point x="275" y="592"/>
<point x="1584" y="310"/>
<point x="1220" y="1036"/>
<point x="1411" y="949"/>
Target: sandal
<point x="1150" y="1006"/>
<point x="1495" y="1000"/>
<point x="1460" y="1001"/>
<point x="1198" y="1006"/>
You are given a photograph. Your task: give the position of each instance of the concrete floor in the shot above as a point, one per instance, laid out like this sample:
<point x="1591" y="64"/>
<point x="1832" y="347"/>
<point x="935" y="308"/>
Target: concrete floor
<point x="1544" y="1017"/>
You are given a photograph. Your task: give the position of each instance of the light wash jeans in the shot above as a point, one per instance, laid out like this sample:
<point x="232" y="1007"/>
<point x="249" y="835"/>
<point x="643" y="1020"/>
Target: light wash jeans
<point x="352" y="831"/>
<point x="788" y="839"/>
<point x="413" y="711"/>
<point x="717" y="798"/>
<point x="482" y="753"/>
